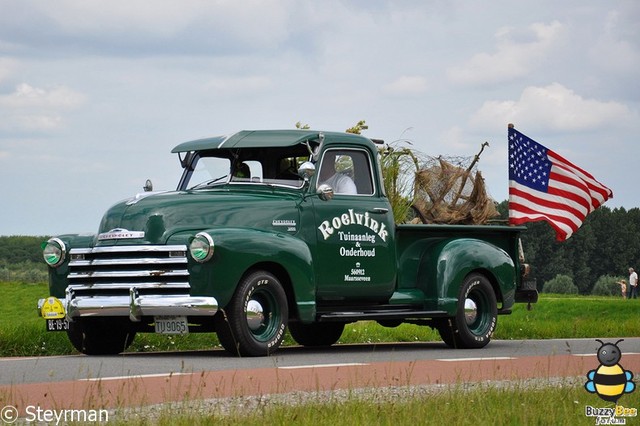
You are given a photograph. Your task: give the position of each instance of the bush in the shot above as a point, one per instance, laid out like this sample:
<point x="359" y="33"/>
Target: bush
<point x="561" y="284"/>
<point x="607" y="285"/>
<point x="24" y="272"/>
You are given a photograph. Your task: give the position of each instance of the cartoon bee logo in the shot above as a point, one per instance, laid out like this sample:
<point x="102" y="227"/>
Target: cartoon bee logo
<point x="609" y="381"/>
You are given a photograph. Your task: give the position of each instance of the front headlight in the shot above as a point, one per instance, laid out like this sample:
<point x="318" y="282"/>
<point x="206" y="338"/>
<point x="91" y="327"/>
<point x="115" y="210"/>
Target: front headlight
<point x="54" y="251"/>
<point x="201" y="248"/>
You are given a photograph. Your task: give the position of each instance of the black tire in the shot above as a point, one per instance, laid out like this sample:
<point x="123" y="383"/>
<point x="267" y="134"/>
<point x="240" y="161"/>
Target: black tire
<point x="254" y="322"/>
<point x="445" y="328"/>
<point x="316" y="334"/>
<point x="476" y="315"/>
<point x="101" y="336"/>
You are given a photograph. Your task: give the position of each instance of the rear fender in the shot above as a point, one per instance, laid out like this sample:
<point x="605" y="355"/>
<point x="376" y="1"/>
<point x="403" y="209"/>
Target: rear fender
<point x="446" y="265"/>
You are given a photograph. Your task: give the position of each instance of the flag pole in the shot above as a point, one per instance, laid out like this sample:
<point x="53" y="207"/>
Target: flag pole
<point x="509" y="126"/>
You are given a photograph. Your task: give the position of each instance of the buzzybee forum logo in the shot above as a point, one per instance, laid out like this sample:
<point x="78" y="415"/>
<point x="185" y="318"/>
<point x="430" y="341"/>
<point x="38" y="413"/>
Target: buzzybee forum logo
<point x="610" y="381"/>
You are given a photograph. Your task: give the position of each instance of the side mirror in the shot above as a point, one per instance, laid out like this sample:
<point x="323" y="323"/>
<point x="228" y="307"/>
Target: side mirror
<point x="148" y="186"/>
<point x="325" y="192"/>
<point x="306" y="170"/>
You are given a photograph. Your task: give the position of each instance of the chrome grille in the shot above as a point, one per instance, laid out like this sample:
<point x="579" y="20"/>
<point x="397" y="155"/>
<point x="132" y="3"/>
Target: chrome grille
<point x="115" y="270"/>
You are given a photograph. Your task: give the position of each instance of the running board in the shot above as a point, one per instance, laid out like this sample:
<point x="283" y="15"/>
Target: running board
<point x="379" y="315"/>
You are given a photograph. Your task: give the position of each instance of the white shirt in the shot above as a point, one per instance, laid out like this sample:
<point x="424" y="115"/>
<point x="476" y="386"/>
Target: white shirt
<point x="341" y="184"/>
<point x="633" y="279"/>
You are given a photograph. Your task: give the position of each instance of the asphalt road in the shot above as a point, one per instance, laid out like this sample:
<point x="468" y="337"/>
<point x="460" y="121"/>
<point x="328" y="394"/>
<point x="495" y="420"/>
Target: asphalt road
<point x="19" y="371"/>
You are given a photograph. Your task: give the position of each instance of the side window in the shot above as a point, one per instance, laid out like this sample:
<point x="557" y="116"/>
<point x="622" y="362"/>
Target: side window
<point x="247" y="171"/>
<point x="346" y="171"/>
<point x="288" y="167"/>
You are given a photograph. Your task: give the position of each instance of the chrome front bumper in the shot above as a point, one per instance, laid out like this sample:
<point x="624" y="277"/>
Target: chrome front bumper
<point x="135" y="306"/>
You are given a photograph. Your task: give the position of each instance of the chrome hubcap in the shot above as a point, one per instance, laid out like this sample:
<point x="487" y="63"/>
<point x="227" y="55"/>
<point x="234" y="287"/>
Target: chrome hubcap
<point x="470" y="311"/>
<point x="255" y="315"/>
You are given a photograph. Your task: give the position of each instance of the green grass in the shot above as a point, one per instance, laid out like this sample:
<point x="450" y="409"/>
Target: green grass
<point x="22" y="331"/>
<point x="519" y="403"/>
<point x="559" y="316"/>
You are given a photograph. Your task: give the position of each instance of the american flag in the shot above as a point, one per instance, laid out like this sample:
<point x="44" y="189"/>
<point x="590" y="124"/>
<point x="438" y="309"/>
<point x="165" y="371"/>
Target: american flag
<point x="545" y="186"/>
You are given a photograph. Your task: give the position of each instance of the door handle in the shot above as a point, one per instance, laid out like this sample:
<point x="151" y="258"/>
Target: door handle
<point x="380" y="210"/>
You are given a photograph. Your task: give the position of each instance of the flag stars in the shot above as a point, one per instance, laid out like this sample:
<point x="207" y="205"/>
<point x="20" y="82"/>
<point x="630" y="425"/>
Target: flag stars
<point x="528" y="163"/>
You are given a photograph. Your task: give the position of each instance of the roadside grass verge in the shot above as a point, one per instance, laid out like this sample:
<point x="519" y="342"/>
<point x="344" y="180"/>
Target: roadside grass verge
<point x="22" y="331"/>
<point x="500" y="403"/>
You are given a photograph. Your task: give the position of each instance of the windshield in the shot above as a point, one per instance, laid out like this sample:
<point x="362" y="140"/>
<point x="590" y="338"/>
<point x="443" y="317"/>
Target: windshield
<point x="209" y="171"/>
<point x="248" y="167"/>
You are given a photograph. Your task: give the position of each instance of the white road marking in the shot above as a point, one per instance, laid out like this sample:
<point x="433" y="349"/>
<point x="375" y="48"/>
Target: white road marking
<point x="43" y="357"/>
<point x="498" y="358"/>
<point x="348" y="364"/>
<point x="135" y="376"/>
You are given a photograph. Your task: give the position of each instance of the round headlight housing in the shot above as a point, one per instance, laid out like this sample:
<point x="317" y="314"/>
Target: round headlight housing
<point x="201" y="248"/>
<point x="54" y="252"/>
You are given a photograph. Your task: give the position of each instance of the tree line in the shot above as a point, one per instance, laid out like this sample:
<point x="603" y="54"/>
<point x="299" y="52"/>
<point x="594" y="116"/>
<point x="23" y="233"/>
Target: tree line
<point x="17" y="249"/>
<point x="607" y="244"/>
<point x="21" y="259"/>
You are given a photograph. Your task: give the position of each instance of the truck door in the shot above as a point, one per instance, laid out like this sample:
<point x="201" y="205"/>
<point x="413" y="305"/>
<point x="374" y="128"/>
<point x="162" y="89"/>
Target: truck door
<point x="355" y="250"/>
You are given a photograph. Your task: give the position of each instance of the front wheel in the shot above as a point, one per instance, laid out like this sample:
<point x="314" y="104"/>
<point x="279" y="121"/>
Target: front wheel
<point x="254" y="322"/>
<point x="476" y="315"/>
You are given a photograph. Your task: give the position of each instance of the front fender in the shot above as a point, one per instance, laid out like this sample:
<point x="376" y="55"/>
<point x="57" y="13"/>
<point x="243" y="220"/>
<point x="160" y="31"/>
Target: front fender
<point x="452" y="260"/>
<point x="238" y="250"/>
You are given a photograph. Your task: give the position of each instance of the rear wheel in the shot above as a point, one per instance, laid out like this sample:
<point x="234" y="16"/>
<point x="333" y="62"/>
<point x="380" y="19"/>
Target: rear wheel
<point x="101" y="336"/>
<point x="254" y="322"/>
<point x="476" y="315"/>
<point x="316" y="334"/>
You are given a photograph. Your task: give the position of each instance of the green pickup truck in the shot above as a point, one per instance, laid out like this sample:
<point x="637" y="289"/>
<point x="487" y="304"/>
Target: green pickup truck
<point x="273" y="230"/>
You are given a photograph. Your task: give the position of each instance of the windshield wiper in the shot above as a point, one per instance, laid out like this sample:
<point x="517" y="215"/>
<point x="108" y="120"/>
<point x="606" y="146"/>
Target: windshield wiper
<point x="208" y="183"/>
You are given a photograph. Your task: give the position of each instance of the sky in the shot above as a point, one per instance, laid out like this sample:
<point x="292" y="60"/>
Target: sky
<point x="95" y="94"/>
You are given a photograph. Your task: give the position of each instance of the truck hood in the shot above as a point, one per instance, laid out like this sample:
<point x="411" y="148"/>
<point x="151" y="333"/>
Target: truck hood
<point x="154" y="218"/>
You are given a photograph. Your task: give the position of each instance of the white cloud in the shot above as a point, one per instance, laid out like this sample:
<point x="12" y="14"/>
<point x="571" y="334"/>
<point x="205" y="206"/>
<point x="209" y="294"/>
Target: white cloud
<point x="615" y="51"/>
<point x="518" y="52"/>
<point x="27" y="96"/>
<point x="552" y="107"/>
<point x="406" y="85"/>
<point x="31" y="123"/>
<point x="31" y="109"/>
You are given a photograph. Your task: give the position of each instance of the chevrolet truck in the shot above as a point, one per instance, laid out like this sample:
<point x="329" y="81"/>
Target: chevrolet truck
<point x="276" y="230"/>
